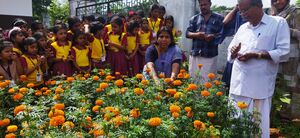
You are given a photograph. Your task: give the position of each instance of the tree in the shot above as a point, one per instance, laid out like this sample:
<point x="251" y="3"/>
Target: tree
<point x="39" y="7"/>
<point x="298" y="2"/>
<point x="59" y="11"/>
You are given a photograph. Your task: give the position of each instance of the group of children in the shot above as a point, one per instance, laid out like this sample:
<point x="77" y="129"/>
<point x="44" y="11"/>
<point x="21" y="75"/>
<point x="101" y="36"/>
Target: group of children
<point x="119" y="45"/>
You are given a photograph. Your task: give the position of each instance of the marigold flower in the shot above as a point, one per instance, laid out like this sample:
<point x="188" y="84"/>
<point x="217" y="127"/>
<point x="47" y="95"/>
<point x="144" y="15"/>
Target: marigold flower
<point x="56" y="112"/>
<point x="30" y="85"/>
<point x="23" y="90"/>
<point x="18" y="96"/>
<point x="205" y="93"/>
<point x="145" y="82"/>
<point x="154" y="122"/>
<point x="178" y="95"/>
<point x="217" y="82"/>
<point x="108" y="78"/>
<point x="59" y="90"/>
<point x="98" y="133"/>
<point x="119" y="82"/>
<point x="192" y="87"/>
<point x="53" y="82"/>
<point x="211" y="76"/>
<point x="96" y="109"/>
<point x="103" y="85"/>
<point x="11" y="91"/>
<point x="19" y="109"/>
<point x="38" y="93"/>
<point x="138" y="91"/>
<point x="175" y="115"/>
<point x="3" y="84"/>
<point x="11" y="128"/>
<point x="177" y="82"/>
<point x="207" y="85"/>
<point x="68" y="124"/>
<point x="242" y="105"/>
<point x="57" y="120"/>
<point x="167" y="80"/>
<point x="200" y="66"/>
<point x="117" y="120"/>
<point x="190" y="114"/>
<point x="161" y="75"/>
<point x="135" y="113"/>
<point x="4" y="122"/>
<point x="87" y="75"/>
<point x="10" y="135"/>
<point x="171" y="91"/>
<point x="210" y="114"/>
<point x="197" y="124"/>
<point x="219" y="93"/>
<point x="182" y="71"/>
<point x="99" y="90"/>
<point x="188" y="109"/>
<point x="180" y="75"/>
<point x="47" y="92"/>
<point x="70" y="79"/>
<point x="123" y="90"/>
<point x="117" y="73"/>
<point x="186" y="76"/>
<point x="99" y="102"/>
<point x="139" y="76"/>
<point x="23" y="78"/>
<point x="59" y="106"/>
<point x="174" y="108"/>
<point x="95" y="78"/>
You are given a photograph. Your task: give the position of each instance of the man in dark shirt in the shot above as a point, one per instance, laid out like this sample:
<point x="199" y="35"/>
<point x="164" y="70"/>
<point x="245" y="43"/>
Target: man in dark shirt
<point x="204" y="28"/>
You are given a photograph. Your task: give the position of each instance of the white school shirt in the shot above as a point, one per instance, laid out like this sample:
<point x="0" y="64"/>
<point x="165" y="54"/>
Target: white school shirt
<point x="255" y="78"/>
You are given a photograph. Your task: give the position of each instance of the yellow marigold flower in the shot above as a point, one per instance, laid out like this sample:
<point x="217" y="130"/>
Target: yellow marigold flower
<point x="69" y="124"/>
<point x="4" y="122"/>
<point x="242" y="105"/>
<point x="11" y="91"/>
<point x="30" y="85"/>
<point x="59" y="106"/>
<point x="59" y="90"/>
<point x="119" y="82"/>
<point x="19" y="109"/>
<point x="207" y="85"/>
<point x="177" y="82"/>
<point x="192" y="87"/>
<point x="211" y="76"/>
<point x="175" y="115"/>
<point x="210" y="114"/>
<point x="3" y="84"/>
<point x="178" y="95"/>
<point x="188" y="109"/>
<point x="10" y="135"/>
<point x="200" y="66"/>
<point x="171" y="91"/>
<point x="154" y="122"/>
<point x="186" y="76"/>
<point x="138" y="91"/>
<point x="99" y="102"/>
<point x="135" y="113"/>
<point x="11" y="128"/>
<point x="205" y="93"/>
<point x="117" y="120"/>
<point x="145" y="82"/>
<point x="139" y="76"/>
<point x="174" y="108"/>
<point x="103" y="85"/>
<point x="18" y="96"/>
<point x="23" y="90"/>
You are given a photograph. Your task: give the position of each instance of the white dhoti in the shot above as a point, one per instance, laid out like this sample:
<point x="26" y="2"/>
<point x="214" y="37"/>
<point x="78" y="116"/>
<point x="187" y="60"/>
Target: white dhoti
<point x="209" y="66"/>
<point x="263" y="106"/>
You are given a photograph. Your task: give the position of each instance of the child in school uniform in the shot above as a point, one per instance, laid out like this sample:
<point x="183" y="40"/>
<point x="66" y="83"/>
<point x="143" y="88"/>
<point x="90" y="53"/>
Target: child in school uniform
<point x="34" y="65"/>
<point x="131" y="42"/>
<point x="145" y="40"/>
<point x="62" y="62"/>
<point x="80" y="53"/>
<point x="155" y="22"/>
<point x="115" y="49"/>
<point x="97" y="46"/>
<point x="169" y="23"/>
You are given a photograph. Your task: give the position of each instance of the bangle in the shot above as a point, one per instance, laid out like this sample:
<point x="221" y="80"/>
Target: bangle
<point x="259" y="55"/>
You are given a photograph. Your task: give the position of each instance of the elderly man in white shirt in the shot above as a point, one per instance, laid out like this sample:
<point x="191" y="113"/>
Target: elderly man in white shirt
<point x="256" y="50"/>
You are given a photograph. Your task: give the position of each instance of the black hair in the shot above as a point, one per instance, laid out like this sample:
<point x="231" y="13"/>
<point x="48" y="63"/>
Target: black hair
<point x="140" y="13"/>
<point x="162" y="8"/>
<point x="145" y="19"/>
<point x="29" y="41"/>
<point x="170" y="18"/>
<point x="118" y="20"/>
<point x="14" y="33"/>
<point x="153" y="7"/>
<point x="96" y="27"/>
<point x="207" y="0"/>
<point x="167" y="30"/>
<point x="56" y="28"/>
<point x="38" y="35"/>
<point x="131" y="26"/>
<point x="34" y="26"/>
<point x="72" y="21"/>
<point x="4" y="44"/>
<point x="101" y="19"/>
<point x="76" y="35"/>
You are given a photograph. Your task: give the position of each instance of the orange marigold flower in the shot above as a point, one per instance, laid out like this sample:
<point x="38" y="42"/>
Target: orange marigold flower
<point x="10" y="135"/>
<point x="177" y="82"/>
<point x="87" y="75"/>
<point x="182" y="71"/>
<point x="210" y="114"/>
<point x="108" y="77"/>
<point x="154" y="122"/>
<point x="171" y="91"/>
<point x="145" y="82"/>
<point x="242" y="105"/>
<point x="3" y="84"/>
<point x="30" y="85"/>
<point x="99" y="102"/>
<point x="180" y="75"/>
<point x="178" y="95"/>
<point x="148" y="70"/>
<point x="192" y="87"/>
<point x="53" y="82"/>
<point x="197" y="124"/>
<point x="57" y="112"/>
<point x="59" y="90"/>
<point x="189" y="114"/>
<point x="135" y="113"/>
<point x="175" y="115"/>
<point x="103" y="85"/>
<point x="57" y="120"/>
<point x="18" y="96"/>
<point x="123" y="90"/>
<point x="117" y="73"/>
<point x="88" y="119"/>
<point x="70" y="79"/>
<point x="59" y="106"/>
<point x="139" y="76"/>
<point x="211" y="76"/>
<point x="23" y="78"/>
<point x="117" y="120"/>
<point x="23" y="90"/>
<point x="95" y="78"/>
<point x="98" y="90"/>
<point x="219" y="93"/>
<point x="138" y="91"/>
<point x="19" y="109"/>
<point x="96" y="108"/>
<point x="200" y="66"/>
<point x="44" y="89"/>
<point x="167" y="80"/>
<point x="101" y="73"/>
<point x="119" y="82"/>
<point x="217" y="82"/>
<point x="12" y="128"/>
<point x="207" y="85"/>
<point x="188" y="109"/>
<point x="38" y="93"/>
<point x="4" y="122"/>
<point x="47" y="92"/>
<point x="174" y="108"/>
<point x="186" y="76"/>
<point x="161" y="75"/>
<point x="205" y="93"/>
<point x="11" y="91"/>
<point x="98" y="133"/>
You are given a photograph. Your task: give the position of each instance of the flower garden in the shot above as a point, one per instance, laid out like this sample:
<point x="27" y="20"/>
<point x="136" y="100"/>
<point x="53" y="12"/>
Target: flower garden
<point x="102" y="105"/>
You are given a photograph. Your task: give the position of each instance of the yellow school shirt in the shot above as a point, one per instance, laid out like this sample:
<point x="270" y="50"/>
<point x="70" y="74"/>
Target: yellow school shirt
<point x="98" y="49"/>
<point x="31" y="78"/>
<point x="144" y="38"/>
<point x="131" y="44"/>
<point x="115" y="39"/>
<point x="154" y="25"/>
<point x="62" y="52"/>
<point x="82" y="57"/>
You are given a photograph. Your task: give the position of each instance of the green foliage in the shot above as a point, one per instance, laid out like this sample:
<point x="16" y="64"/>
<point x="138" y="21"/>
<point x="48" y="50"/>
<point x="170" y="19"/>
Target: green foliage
<point x="220" y="9"/>
<point x="39" y="7"/>
<point x="58" y="11"/>
<point x="298" y="2"/>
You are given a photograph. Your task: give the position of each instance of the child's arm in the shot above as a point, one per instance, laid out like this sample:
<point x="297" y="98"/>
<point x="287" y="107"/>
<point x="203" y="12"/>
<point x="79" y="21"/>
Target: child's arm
<point x="73" y="59"/>
<point x="134" y="52"/>
<point x="15" y="58"/>
<point x="27" y="70"/>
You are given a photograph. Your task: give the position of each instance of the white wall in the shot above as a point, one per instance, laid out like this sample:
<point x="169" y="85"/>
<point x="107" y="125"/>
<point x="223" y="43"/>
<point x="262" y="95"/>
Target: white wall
<point x="16" y="7"/>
